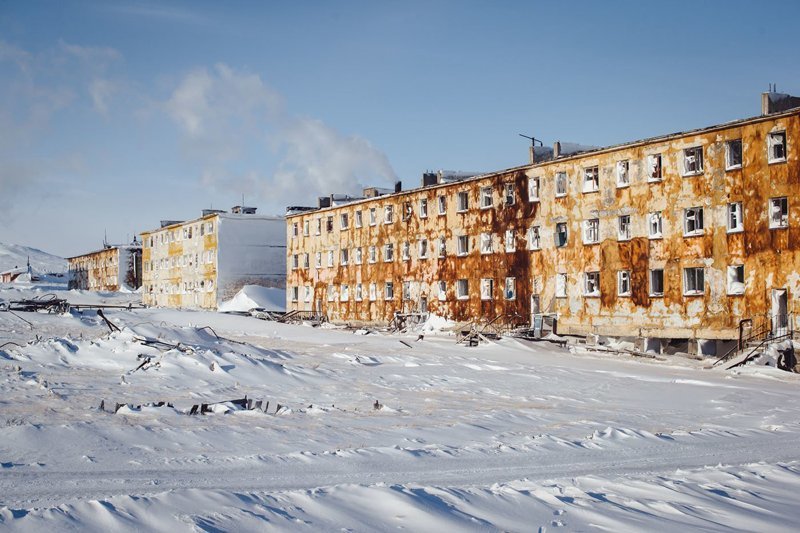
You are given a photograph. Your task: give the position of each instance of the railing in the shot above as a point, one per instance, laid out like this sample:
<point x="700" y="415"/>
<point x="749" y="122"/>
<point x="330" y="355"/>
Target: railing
<point x="763" y="330"/>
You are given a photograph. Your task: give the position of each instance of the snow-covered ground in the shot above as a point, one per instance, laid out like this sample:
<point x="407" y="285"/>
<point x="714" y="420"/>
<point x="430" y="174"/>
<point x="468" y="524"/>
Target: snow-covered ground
<point x="508" y="436"/>
<point x="16" y="255"/>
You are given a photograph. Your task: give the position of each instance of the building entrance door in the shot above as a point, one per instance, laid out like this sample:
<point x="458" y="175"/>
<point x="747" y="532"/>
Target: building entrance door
<point x="780" y="311"/>
<point x="534" y="307"/>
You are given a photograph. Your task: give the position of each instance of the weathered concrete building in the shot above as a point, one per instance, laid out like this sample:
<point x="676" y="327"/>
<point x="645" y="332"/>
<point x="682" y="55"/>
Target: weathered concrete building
<point x="674" y="237"/>
<point x="107" y="269"/>
<point x="203" y="262"/>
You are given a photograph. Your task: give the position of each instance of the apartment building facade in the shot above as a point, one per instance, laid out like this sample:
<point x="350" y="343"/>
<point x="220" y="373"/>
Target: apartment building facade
<point x="108" y="269"/>
<point x="202" y="262"/>
<point x="674" y="237"/>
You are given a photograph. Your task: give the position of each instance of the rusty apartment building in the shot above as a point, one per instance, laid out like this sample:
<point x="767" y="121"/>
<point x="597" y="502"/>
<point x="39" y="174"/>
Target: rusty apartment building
<point x="202" y="262"/>
<point x="109" y="269"/>
<point x="671" y="238"/>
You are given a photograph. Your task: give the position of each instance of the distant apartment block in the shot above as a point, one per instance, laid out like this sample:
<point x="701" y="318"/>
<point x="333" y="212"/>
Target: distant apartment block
<point x="203" y="262"/>
<point x="108" y="269"/>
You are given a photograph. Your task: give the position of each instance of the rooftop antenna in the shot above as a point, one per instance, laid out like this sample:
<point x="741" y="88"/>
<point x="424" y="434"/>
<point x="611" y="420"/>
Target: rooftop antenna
<point x="534" y="140"/>
<point x="105" y="238"/>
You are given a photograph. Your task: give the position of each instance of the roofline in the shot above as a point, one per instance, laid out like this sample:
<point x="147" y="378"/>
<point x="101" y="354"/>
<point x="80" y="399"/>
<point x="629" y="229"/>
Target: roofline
<point x="112" y="247"/>
<point x="231" y="216"/>
<point x="572" y="157"/>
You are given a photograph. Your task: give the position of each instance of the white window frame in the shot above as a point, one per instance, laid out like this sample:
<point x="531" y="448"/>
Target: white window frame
<point x="388" y="214"/>
<point x="729" y="164"/>
<point x="344" y="221"/>
<point x="344" y="256"/>
<point x="511" y="240"/>
<point x="591" y="284"/>
<point x="509" y="194"/>
<point x="295" y="261"/>
<point x="372" y="254"/>
<point x="591" y="231"/>
<point x="295" y="293"/>
<point x="778" y="212"/>
<point x="331" y="258"/>
<point x="534" y="188"/>
<point x="441" y="290"/>
<point x="462" y="245"/>
<point x="318" y="260"/>
<point x="624" y="228"/>
<point x="692" y="276"/>
<point x="487" y="199"/>
<point x="462" y="202"/>
<point x="623" y="174"/>
<point x="486" y="243"/>
<point x="487" y="289"/>
<point x="565" y="227"/>
<point x="441" y="204"/>
<point x="693" y="222"/>
<point x="359" y="219"/>
<point x="623" y="283"/>
<point x="423" y="248"/>
<point x="373" y="216"/>
<point x="651" y="277"/>
<point x="388" y="290"/>
<point x="307" y="292"/>
<point x="405" y="254"/>
<point x="344" y="292"/>
<point x="358" y="255"/>
<point x="591" y="179"/>
<point x="510" y="289"/>
<point x="655" y="225"/>
<point x="462" y="289"/>
<point x="735" y="283"/>
<point x="774" y="140"/>
<point x="373" y="291"/>
<point x="734" y="219"/>
<point x="693" y="161"/>
<point x="534" y="238"/>
<point x="655" y="168"/>
<point x="442" y="248"/>
<point x="562" y="185"/>
<point x="359" y="292"/>
<point x="388" y="252"/>
<point x="423" y="208"/>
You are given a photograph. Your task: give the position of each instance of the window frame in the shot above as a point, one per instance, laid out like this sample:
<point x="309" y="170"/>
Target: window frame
<point x="486" y="197"/>
<point x="534" y="234"/>
<point x="729" y="152"/>
<point x="650" y="283"/>
<point x="729" y="214"/>
<point x="486" y="238"/>
<point x="487" y="296"/>
<point x="660" y="233"/>
<point x="691" y="273"/>
<point x="591" y="278"/>
<point x="561" y="179"/>
<point x="465" y="240"/>
<point x="730" y="290"/>
<point x="509" y="191"/>
<point x="626" y="276"/>
<point x="591" y="175"/>
<point x="699" y="227"/>
<point x="462" y="201"/>
<point x="626" y="165"/>
<point x="423" y="208"/>
<point x="695" y="152"/>
<point x="462" y="289"/>
<point x="510" y="294"/>
<point x="783" y="221"/>
<point x="771" y="144"/>
<point x="559" y="226"/>
<point x="534" y="188"/>
<point x="655" y="172"/>
<point x="591" y="225"/>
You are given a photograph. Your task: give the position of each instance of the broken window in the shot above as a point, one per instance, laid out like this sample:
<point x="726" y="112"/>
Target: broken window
<point x="373" y="216"/>
<point x="373" y="292"/>
<point x="777" y="146"/>
<point x="778" y="212"/>
<point x="486" y="243"/>
<point x="654" y="225"/>
<point x="693" y="281"/>
<point x="307" y="293"/>
<point x="462" y="289"/>
<point x="624" y="283"/>
<point x="736" y="279"/>
<point x="330" y="258"/>
<point x="408" y="211"/>
<point x="654" y="167"/>
<point x="624" y="228"/>
<point x="306" y="228"/>
<point x="406" y="251"/>
<point x="329" y="224"/>
<point x="657" y="282"/>
<point x="373" y="254"/>
<point x="561" y="184"/>
<point x="509" y="193"/>
<point x="623" y="179"/>
<point x="344" y="220"/>
<point x="344" y="256"/>
<point x="591" y="286"/>
<point x="388" y="214"/>
<point x="442" y="204"/>
<point x="295" y="230"/>
<point x="319" y="226"/>
<point x="305" y="260"/>
<point x="463" y="201"/>
<point x="561" y="235"/>
<point x="534" y="238"/>
<point x="295" y="262"/>
<point x="359" y="219"/>
<point x="511" y="240"/>
<point x="359" y="292"/>
<point x="442" y="246"/>
<point x="318" y="260"/>
<point x="510" y="291"/>
<point x="591" y="231"/>
<point x="735" y="217"/>
<point x="561" y="285"/>
<point x="358" y="256"/>
<point x="388" y="253"/>
<point x="693" y="161"/>
<point x="406" y="290"/>
<point x="423" y="208"/>
<point x="693" y="221"/>
<point x="733" y="154"/>
<point x="388" y="290"/>
<point x="486" y="197"/>
<point x="423" y="248"/>
<point x="344" y="293"/>
<point x="463" y="245"/>
<point x="441" y="289"/>
<point x="591" y="179"/>
<point x="487" y="289"/>
<point x="533" y="189"/>
<point x="331" y="293"/>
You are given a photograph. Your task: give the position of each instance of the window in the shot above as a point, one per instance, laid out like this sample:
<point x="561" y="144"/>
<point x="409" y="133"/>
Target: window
<point x="533" y="189"/>
<point x="623" y="177"/>
<point x="591" y="180"/>
<point x="442" y="201"/>
<point x="319" y="226"/>
<point x="359" y="219"/>
<point x="561" y="234"/>
<point x="344" y="294"/>
<point x="693" y="282"/>
<point x="408" y="210"/>
<point x="654" y="167"/>
<point x="463" y="245"/>
<point x="373" y="292"/>
<point x="441" y="290"/>
<point x="406" y="290"/>
<point x="306" y="228"/>
<point x="561" y="184"/>
<point x="463" y="201"/>
<point x="295" y="230"/>
<point x="561" y="285"/>
<point x="359" y="292"/>
<point x="358" y="256"/>
<point x="442" y="246"/>
<point x="318" y="260"/>
<point x="591" y="231"/>
<point x="487" y="289"/>
<point x="534" y="238"/>
<point x="778" y="212"/>
<point x="330" y="258"/>
<point x="510" y="291"/>
<point x="344" y="221"/>
<point x="509" y="194"/>
<point x="329" y="224"/>
<point x="624" y="228"/>
<point x="624" y="283"/>
<point x="777" y="147"/>
<point x="295" y="262"/>
<point x="331" y="293"/>
<point x="388" y="253"/>
<point x="511" y="241"/>
<point x="693" y="161"/>
<point x="344" y="256"/>
<point x="295" y="293"/>
<point x="462" y="289"/>
<point x="423" y="208"/>
<point x="486" y="197"/>
<point x="373" y="254"/>
<point x="733" y="154"/>
<point x="388" y="290"/>
<point x="305" y="260"/>
<point x="486" y="243"/>
<point x="406" y="252"/>
<point x="591" y="284"/>
<point x="388" y="214"/>
<point x="307" y="293"/>
<point x="654" y="225"/>
<point x="735" y="217"/>
<point x="423" y="248"/>
<point x="373" y="216"/>
<point x="657" y="282"/>
<point x="736" y="279"/>
<point x="692" y="221"/>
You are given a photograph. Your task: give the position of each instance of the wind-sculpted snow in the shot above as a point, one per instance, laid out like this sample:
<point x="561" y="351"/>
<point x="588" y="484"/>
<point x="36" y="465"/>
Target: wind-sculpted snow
<point x="365" y="433"/>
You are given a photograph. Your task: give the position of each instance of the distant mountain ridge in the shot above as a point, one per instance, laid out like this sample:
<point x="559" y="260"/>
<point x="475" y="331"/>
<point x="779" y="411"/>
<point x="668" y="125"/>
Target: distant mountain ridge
<point x="16" y="255"/>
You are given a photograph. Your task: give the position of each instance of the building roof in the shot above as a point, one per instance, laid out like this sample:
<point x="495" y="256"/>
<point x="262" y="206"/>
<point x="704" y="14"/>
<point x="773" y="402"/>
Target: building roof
<point x="221" y="215"/>
<point x="109" y="247"/>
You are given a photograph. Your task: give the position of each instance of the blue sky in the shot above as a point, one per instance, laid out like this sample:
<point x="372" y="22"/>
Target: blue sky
<point x="116" y="114"/>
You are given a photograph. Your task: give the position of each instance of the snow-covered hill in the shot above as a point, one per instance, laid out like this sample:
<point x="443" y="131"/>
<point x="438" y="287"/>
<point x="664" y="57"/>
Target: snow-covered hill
<point x="16" y="255"/>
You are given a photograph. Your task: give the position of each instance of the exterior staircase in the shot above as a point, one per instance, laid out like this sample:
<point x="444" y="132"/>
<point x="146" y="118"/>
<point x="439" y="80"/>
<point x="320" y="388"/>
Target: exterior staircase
<point x="756" y="334"/>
